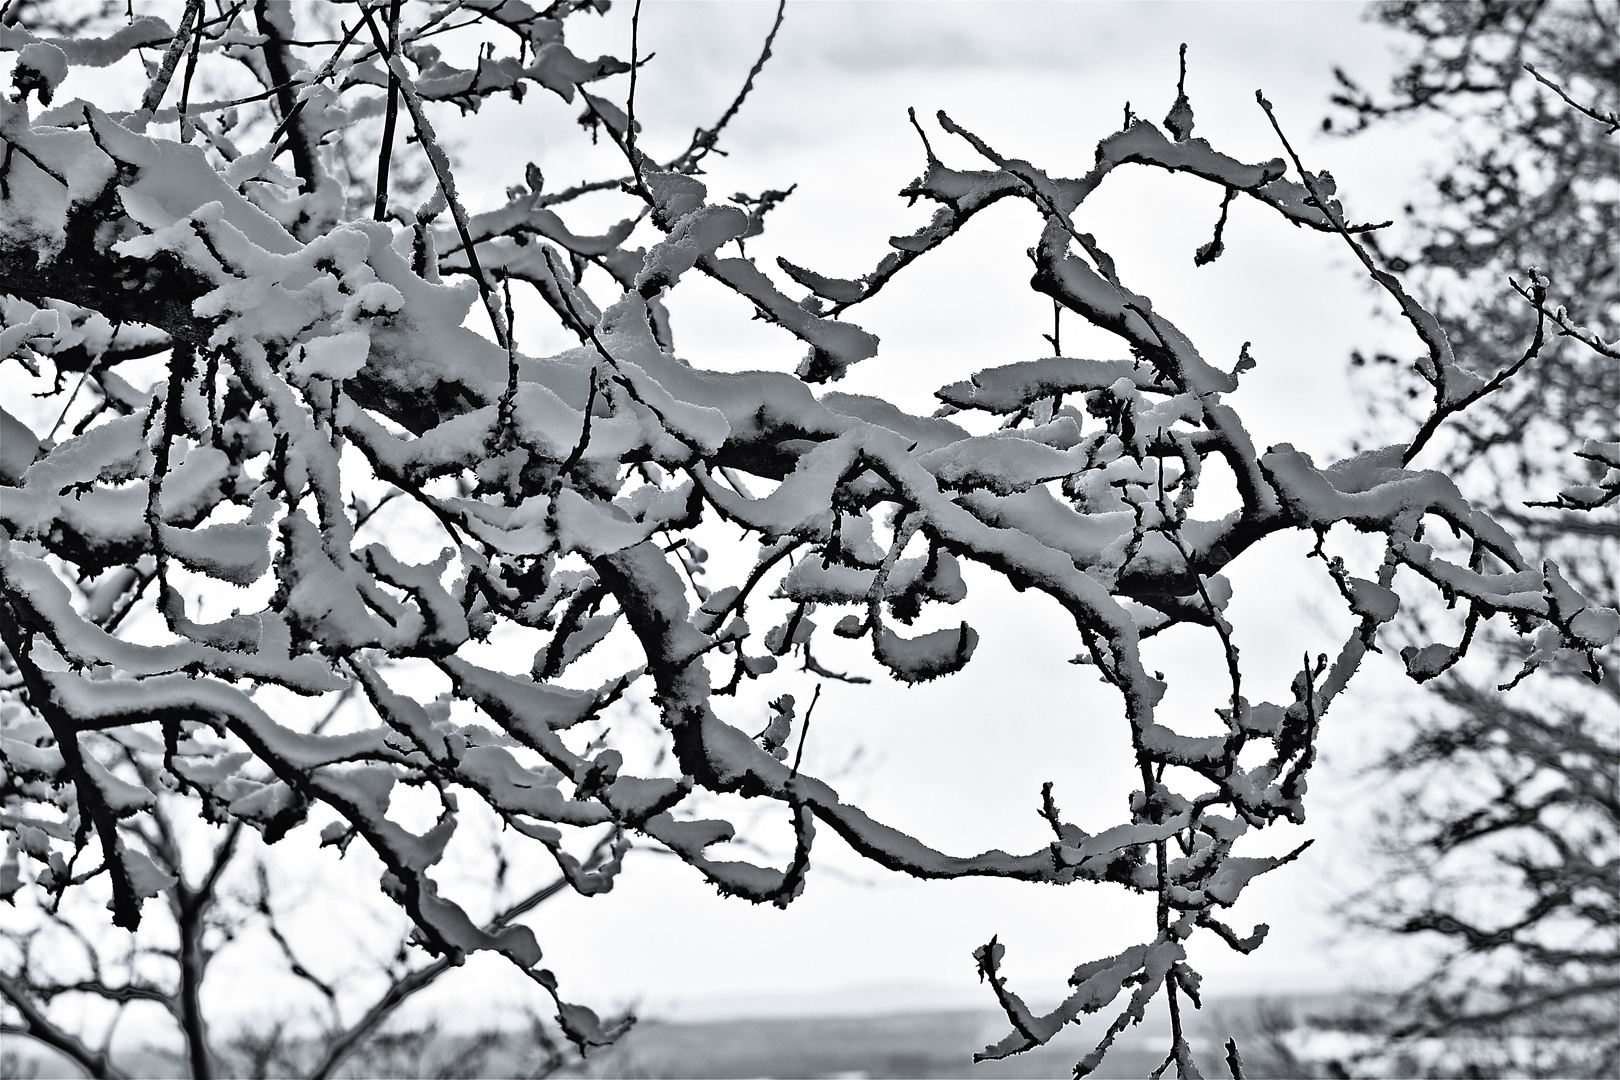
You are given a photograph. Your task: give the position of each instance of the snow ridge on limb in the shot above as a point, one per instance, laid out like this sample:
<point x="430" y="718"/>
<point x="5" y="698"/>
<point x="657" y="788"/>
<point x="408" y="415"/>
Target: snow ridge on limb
<point x="324" y="408"/>
<point x="142" y="32"/>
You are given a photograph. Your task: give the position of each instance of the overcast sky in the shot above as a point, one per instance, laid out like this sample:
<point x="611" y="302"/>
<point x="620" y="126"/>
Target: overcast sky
<point x="962" y="763"/>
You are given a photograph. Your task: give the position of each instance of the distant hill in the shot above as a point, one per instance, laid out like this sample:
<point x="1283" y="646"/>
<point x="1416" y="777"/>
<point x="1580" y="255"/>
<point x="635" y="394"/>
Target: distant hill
<point x="942" y="1043"/>
<point x="873" y="1043"/>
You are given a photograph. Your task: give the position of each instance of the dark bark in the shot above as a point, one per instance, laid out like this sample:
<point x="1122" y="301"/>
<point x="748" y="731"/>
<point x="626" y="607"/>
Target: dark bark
<point x="274" y="20"/>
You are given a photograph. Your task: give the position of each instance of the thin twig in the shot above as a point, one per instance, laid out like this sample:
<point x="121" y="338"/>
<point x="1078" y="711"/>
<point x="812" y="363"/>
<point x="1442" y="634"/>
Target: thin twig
<point x="503" y="412"/>
<point x="441" y="170"/>
<point x="804" y="732"/>
<point x="1537" y="295"/>
<point x="1428" y="328"/>
<point x="584" y="431"/>
<point x="390" y="118"/>
<point x="1234" y="1060"/>
<point x="1105" y="264"/>
<point x="703" y="139"/>
<point x="31" y="156"/>
<point x="1217" y="620"/>
<point x="630" y="104"/>
<point x="1567" y="326"/>
<point x="325" y="73"/>
<point x="407" y="986"/>
<point x="1612" y="118"/>
<point x="589" y="330"/>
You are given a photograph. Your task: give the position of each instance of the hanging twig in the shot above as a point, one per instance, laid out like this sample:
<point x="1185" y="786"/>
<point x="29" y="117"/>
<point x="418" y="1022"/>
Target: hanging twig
<point x="804" y="731"/>
<point x="584" y="431"/>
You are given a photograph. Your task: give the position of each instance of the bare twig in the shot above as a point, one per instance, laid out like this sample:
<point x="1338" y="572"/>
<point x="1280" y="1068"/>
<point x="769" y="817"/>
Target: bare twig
<point x="1611" y="118"/>
<point x="171" y="58"/>
<point x="1452" y="386"/>
<point x="1234" y="1060"/>
<point x="441" y="170"/>
<point x="630" y="103"/>
<point x="1567" y="326"/>
<point x="1537" y="295"/>
<point x="704" y="139"/>
<point x="804" y="730"/>
<point x="186" y="125"/>
<point x="385" y="152"/>
<point x="345" y="1043"/>
<point x="584" y="431"/>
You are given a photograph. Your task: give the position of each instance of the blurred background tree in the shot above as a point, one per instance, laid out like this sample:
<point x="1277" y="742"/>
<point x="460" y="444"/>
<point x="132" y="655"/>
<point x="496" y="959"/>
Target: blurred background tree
<point x="1505" y="848"/>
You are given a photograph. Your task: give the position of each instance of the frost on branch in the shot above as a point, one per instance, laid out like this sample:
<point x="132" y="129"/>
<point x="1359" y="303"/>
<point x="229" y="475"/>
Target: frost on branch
<point x="317" y="373"/>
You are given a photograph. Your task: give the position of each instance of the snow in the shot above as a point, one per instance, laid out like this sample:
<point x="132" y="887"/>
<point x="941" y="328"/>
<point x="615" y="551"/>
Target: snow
<point x="1090" y="539"/>
<point x="1096" y="984"/>
<point x="19" y="448"/>
<point x="144" y="875"/>
<point x="174" y="180"/>
<point x="121" y="796"/>
<point x="1013" y="386"/>
<point x="42" y="323"/>
<point x="323" y="600"/>
<point x="213" y="771"/>
<point x="257" y="803"/>
<point x="114" y="450"/>
<point x="634" y="799"/>
<point x="689" y="837"/>
<point x="336" y="356"/>
<point x="146" y="30"/>
<point x="1002" y="464"/>
<point x="494" y="772"/>
<point x="834" y="345"/>
<point x="1595" y="627"/>
<point x="532" y="711"/>
<point x="47" y="596"/>
<point x="24" y="758"/>
<point x="1371" y="600"/>
<point x="595" y="528"/>
<point x="928" y="656"/>
<point x="236" y="552"/>
<point x="46" y="60"/>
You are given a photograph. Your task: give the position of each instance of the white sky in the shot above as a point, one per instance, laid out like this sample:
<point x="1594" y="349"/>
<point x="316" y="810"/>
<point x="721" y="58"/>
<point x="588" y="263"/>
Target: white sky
<point x="962" y="763"/>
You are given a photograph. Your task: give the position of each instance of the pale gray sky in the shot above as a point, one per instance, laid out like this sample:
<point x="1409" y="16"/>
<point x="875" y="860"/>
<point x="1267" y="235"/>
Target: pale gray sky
<point x="961" y="763"/>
